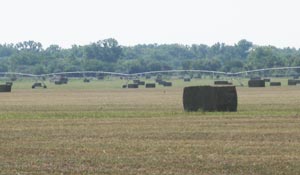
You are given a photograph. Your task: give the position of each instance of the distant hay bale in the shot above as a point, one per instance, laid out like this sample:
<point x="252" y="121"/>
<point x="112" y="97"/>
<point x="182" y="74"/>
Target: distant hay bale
<point x="186" y="79"/>
<point x="255" y="78"/>
<point x="14" y="78"/>
<point x="133" y="86"/>
<point x="58" y="82"/>
<point x="100" y="77"/>
<point x="9" y="83"/>
<point x="267" y="79"/>
<point x="136" y="81"/>
<point x="5" y="88"/>
<point x="275" y="83"/>
<point x="161" y="82"/>
<point x="124" y="86"/>
<point x="86" y="80"/>
<point x="292" y="82"/>
<point x="167" y="84"/>
<point x="256" y="83"/>
<point x="61" y="80"/>
<point x="150" y="85"/>
<point x="158" y="80"/>
<point x="142" y="83"/>
<point x="222" y="83"/>
<point x="210" y="98"/>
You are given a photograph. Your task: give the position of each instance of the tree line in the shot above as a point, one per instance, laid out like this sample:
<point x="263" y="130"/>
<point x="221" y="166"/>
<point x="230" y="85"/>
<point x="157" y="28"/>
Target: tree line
<point x="108" y="55"/>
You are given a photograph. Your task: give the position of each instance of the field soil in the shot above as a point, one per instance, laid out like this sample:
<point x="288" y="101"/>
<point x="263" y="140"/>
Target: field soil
<point x="146" y="131"/>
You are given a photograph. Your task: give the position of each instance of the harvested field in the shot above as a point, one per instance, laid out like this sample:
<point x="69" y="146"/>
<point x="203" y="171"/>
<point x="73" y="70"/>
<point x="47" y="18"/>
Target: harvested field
<point x="146" y="131"/>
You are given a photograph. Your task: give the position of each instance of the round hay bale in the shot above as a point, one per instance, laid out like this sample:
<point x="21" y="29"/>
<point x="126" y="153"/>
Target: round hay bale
<point x="5" y="88"/>
<point x="267" y="79"/>
<point x="133" y="86"/>
<point x="256" y="83"/>
<point x="124" y="86"/>
<point x="150" y="85"/>
<point x="210" y="98"/>
<point x="275" y="83"/>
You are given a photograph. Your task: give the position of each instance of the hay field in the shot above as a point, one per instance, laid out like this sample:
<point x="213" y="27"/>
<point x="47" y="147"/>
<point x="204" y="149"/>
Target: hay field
<point x="146" y="131"/>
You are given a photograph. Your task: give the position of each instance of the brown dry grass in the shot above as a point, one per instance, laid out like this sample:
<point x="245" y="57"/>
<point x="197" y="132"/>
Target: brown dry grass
<point x="146" y="132"/>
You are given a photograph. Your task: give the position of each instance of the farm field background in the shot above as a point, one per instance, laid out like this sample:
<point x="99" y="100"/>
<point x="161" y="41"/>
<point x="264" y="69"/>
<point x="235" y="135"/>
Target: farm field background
<point x="99" y="128"/>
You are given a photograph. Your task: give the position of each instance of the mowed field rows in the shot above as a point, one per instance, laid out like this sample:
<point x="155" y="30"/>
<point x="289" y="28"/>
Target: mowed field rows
<point x="146" y="131"/>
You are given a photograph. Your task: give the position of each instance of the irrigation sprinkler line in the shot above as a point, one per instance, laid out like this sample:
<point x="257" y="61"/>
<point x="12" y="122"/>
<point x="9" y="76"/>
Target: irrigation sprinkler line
<point x="149" y="72"/>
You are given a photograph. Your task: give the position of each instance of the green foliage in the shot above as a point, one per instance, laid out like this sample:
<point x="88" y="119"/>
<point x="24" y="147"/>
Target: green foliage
<point x="108" y="55"/>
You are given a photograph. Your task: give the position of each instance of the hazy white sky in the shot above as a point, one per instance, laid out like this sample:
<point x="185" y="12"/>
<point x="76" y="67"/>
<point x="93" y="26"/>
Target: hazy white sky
<point x="67" y="22"/>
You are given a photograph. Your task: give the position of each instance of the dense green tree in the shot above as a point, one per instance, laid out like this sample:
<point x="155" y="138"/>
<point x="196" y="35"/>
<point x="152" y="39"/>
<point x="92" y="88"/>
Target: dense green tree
<point x="108" y="55"/>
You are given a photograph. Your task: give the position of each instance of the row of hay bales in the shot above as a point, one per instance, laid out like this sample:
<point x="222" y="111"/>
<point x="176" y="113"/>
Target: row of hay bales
<point x="137" y="83"/>
<point x="258" y="82"/>
<point x="261" y="83"/>
<point x="293" y="82"/>
<point x="163" y="83"/>
<point x="6" y="87"/>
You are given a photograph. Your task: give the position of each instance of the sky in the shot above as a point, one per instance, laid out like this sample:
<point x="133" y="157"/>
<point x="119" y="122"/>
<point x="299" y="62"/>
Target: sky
<point x="131" y="22"/>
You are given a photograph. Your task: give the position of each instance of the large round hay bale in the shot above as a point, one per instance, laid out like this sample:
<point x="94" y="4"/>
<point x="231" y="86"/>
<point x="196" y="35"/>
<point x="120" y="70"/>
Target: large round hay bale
<point x="256" y="83"/>
<point x="267" y="79"/>
<point x="133" y="86"/>
<point x="210" y="98"/>
<point x="222" y="83"/>
<point x="275" y="83"/>
<point x="150" y="85"/>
